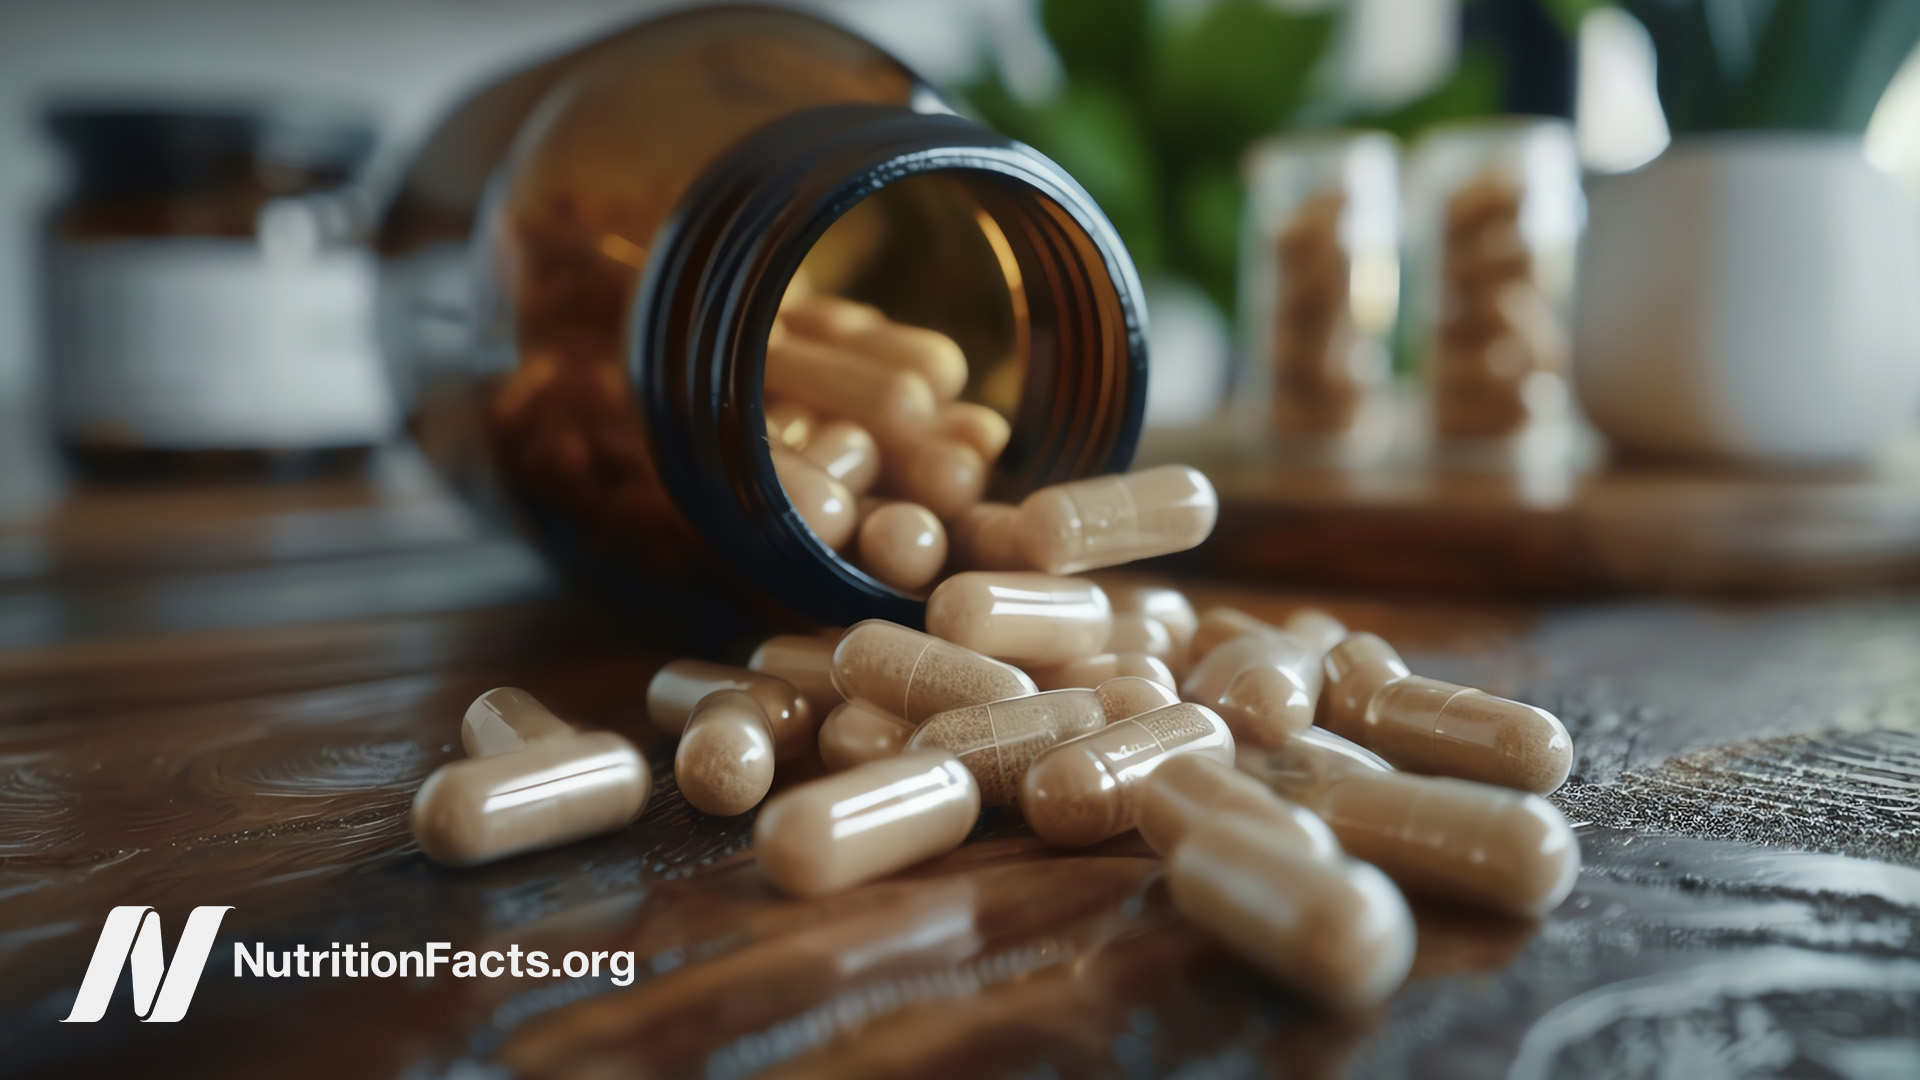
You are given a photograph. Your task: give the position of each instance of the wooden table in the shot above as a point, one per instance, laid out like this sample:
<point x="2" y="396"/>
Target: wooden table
<point x="226" y="696"/>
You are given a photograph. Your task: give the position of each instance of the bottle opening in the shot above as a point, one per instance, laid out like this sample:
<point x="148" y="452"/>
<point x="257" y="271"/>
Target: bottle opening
<point x="949" y="343"/>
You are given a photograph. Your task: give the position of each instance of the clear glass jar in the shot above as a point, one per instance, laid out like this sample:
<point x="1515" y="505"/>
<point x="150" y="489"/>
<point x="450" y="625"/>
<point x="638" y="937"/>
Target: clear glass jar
<point x="1495" y="210"/>
<point x="585" y="261"/>
<point x="1320" y="289"/>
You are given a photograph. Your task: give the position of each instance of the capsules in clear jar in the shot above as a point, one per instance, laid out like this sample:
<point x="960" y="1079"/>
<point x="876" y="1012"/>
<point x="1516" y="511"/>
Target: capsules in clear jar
<point x="914" y="675"/>
<point x="831" y="834"/>
<point x="1109" y="520"/>
<point x="998" y="740"/>
<point x="1081" y="792"/>
<point x="552" y="792"/>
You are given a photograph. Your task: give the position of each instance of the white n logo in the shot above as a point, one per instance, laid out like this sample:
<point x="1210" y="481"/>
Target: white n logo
<point x="131" y="938"/>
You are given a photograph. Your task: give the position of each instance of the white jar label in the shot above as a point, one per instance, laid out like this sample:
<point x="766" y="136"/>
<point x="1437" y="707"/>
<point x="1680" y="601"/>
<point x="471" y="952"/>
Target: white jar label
<point x="206" y="343"/>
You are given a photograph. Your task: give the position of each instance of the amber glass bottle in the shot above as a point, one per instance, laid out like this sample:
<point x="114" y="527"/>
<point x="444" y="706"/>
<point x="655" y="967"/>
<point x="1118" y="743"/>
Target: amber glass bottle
<point x="585" y="260"/>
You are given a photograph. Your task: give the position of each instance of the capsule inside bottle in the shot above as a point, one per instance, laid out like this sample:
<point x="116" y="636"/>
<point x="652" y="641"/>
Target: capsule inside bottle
<point x="1082" y="791"/>
<point x="998" y="740"/>
<point x="507" y="719"/>
<point x="822" y="502"/>
<point x="903" y="545"/>
<point x="1109" y="520"/>
<point x="844" y="451"/>
<point x="831" y="834"/>
<point x="914" y="675"/>
<point x="1035" y="619"/>
<point x="553" y="792"/>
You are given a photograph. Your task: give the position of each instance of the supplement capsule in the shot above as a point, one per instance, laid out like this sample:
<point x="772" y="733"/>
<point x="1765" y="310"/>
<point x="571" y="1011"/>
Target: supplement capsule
<point x="1190" y="789"/>
<point x="998" y="740"/>
<point x="1127" y="696"/>
<point x="680" y="685"/>
<point x="1109" y="520"/>
<point x="1169" y="606"/>
<point x="836" y="832"/>
<point x="1082" y="791"/>
<point x="929" y="354"/>
<point x="1033" y="618"/>
<point x="789" y="424"/>
<point x="1476" y="844"/>
<point x="1334" y="928"/>
<point x="822" y="502"/>
<point x="1138" y="633"/>
<point x="1428" y="726"/>
<point x="1102" y="667"/>
<point x="903" y="545"/>
<point x="825" y="316"/>
<point x="977" y="426"/>
<point x="987" y="537"/>
<point x="855" y="733"/>
<point x="892" y="405"/>
<point x="803" y="660"/>
<point x="914" y="675"/>
<point x="944" y="476"/>
<point x="845" y="451"/>
<point x="507" y="719"/>
<point x="1264" y="685"/>
<point x="724" y="763"/>
<point x="1305" y="766"/>
<point x="1319" y="630"/>
<point x="555" y="791"/>
<point x="1217" y="626"/>
<point x="1354" y="671"/>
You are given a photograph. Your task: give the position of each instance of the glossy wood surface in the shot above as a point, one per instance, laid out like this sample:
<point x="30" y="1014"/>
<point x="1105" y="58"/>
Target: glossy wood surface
<point x="227" y="696"/>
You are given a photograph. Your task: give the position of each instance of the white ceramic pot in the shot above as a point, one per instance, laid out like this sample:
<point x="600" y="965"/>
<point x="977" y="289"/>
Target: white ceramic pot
<point x="1752" y="298"/>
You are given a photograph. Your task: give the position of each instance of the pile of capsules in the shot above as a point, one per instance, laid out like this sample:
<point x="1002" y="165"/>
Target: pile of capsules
<point x="1296" y="777"/>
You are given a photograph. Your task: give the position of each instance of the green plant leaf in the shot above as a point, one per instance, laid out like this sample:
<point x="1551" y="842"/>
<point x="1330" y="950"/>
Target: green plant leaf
<point x="1207" y="210"/>
<point x="1823" y="64"/>
<point x="1099" y="40"/>
<point x="1473" y="89"/>
<point x="1230" y="72"/>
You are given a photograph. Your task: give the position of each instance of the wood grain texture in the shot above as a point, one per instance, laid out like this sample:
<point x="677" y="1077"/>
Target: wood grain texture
<point x="1745" y="783"/>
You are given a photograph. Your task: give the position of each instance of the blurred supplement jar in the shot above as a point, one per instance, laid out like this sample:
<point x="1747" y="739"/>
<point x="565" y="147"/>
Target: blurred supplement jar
<point x="584" y="261"/>
<point x="209" y="305"/>
<point x="1494" y="212"/>
<point x="1320" y="281"/>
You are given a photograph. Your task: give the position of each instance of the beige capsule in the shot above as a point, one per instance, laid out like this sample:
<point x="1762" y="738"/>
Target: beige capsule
<point x="978" y="426"/>
<point x="1264" y="685"/>
<point x="845" y="451"/>
<point x="1428" y="726"/>
<point x="914" y="675"/>
<point x="822" y="502"/>
<point x="1169" y="606"/>
<point x="998" y="740"/>
<point x="944" y="476"/>
<point x="1354" y="671"/>
<point x="1307" y="765"/>
<point x="507" y="719"/>
<point x="1217" y="626"/>
<point x="1126" y="696"/>
<point x="1031" y="618"/>
<point x="724" y="763"/>
<point x="987" y="537"/>
<point x="856" y="732"/>
<point x="553" y="792"/>
<point x="903" y="545"/>
<point x="805" y="661"/>
<point x="1191" y="789"/>
<point x="826" y="316"/>
<point x="1137" y="633"/>
<point x="1476" y="844"/>
<point x="1082" y="791"/>
<point x="836" y="832"/>
<point x="892" y="405"/>
<point x="1331" y="927"/>
<point x="929" y="354"/>
<point x="1316" y="628"/>
<point x="1109" y="520"/>
<point x="790" y="424"/>
<point x="681" y="684"/>
<point x="1103" y="667"/>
